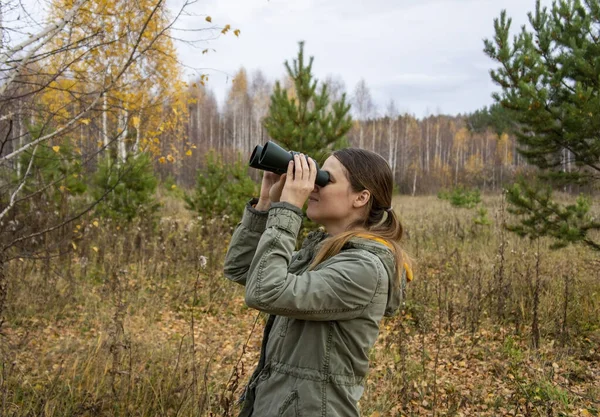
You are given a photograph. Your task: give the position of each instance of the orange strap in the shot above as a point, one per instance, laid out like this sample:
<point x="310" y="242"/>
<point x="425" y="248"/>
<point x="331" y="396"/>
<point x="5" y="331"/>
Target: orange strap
<point x="407" y="268"/>
<point x="376" y="239"/>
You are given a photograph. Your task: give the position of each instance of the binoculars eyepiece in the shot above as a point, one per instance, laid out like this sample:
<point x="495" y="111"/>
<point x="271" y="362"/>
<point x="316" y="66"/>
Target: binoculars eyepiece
<point x="273" y="158"/>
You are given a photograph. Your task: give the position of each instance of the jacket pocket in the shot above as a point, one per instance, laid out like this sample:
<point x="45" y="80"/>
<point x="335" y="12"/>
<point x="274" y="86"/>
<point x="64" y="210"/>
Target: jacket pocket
<point x="289" y="408"/>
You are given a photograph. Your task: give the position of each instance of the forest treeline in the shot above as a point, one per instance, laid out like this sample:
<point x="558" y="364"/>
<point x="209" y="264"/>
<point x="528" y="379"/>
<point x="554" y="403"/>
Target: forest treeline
<point x="183" y="121"/>
<point x="95" y="106"/>
<point x="426" y="154"/>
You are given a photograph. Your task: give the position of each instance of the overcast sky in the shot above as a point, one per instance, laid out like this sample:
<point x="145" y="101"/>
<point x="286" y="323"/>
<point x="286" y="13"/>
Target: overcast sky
<point x="426" y="55"/>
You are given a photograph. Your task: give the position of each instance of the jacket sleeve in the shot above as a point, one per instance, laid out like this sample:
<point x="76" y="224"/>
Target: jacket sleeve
<point x="340" y="290"/>
<point x="243" y="243"/>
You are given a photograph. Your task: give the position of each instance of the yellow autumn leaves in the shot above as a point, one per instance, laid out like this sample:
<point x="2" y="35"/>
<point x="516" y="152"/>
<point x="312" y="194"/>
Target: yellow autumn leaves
<point x="170" y="158"/>
<point x="225" y="29"/>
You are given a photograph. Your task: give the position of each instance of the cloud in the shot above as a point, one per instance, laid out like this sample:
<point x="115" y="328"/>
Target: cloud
<point x="425" y="80"/>
<point x="425" y="52"/>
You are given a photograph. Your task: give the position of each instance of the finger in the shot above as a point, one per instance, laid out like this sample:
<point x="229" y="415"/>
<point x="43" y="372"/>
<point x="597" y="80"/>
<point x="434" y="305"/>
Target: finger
<point x="297" y="168"/>
<point x="313" y="170"/>
<point x="270" y="176"/>
<point x="290" y="170"/>
<point x="305" y="168"/>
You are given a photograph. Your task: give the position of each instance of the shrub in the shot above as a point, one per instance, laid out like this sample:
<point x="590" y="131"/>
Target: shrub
<point x="222" y="190"/>
<point x="461" y="197"/>
<point x="481" y="218"/>
<point x="128" y="189"/>
<point x="56" y="171"/>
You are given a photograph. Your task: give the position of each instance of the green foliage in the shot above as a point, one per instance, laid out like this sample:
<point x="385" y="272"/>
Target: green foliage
<point x="57" y="167"/>
<point x="541" y="216"/>
<point x="549" y="81"/>
<point x="51" y="178"/>
<point x="512" y="350"/>
<point x="481" y="218"/>
<point x="170" y="186"/>
<point x="497" y="118"/>
<point x="542" y="392"/>
<point x="461" y="197"/>
<point x="222" y="190"/>
<point x="127" y="189"/>
<point x="302" y="121"/>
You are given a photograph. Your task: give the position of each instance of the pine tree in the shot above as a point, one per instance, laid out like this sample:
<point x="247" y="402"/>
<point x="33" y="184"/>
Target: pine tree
<point x="304" y="121"/>
<point x="549" y="79"/>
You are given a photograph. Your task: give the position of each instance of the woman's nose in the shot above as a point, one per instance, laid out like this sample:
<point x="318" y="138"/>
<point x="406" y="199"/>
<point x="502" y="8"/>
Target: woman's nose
<point x="316" y="189"/>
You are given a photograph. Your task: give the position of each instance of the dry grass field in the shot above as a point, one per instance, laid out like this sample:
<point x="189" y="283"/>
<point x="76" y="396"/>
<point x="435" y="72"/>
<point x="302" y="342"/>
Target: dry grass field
<point x="141" y="322"/>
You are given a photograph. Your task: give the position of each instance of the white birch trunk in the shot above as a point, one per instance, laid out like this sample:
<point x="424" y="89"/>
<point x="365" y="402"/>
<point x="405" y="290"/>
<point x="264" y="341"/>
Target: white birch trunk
<point x="373" y="139"/>
<point x="235" y="135"/>
<point x="394" y="153"/>
<point x="138" y="131"/>
<point x="122" y="149"/>
<point x="414" y="188"/>
<point x="138" y="136"/>
<point x="390" y="146"/>
<point x="19" y="117"/>
<point x="456" y="168"/>
<point x="210" y="132"/>
<point x="361" y="142"/>
<point x="198" y="123"/>
<point x="427" y="146"/>
<point x="438" y="146"/>
<point x="105" y="121"/>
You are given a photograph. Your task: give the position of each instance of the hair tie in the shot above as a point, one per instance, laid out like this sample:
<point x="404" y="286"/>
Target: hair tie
<point x="389" y="209"/>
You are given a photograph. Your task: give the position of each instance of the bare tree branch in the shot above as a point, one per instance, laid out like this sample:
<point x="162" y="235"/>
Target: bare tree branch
<point x="48" y="32"/>
<point x="18" y="190"/>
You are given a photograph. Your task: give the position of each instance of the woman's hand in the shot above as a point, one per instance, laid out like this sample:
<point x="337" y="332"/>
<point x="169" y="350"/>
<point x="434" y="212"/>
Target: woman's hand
<point x="270" y="190"/>
<point x="301" y="176"/>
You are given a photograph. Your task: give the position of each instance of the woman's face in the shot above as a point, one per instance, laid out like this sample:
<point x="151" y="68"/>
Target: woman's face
<point x="334" y="206"/>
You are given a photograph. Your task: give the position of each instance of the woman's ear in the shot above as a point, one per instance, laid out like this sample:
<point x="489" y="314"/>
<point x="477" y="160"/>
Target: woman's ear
<point x="362" y="199"/>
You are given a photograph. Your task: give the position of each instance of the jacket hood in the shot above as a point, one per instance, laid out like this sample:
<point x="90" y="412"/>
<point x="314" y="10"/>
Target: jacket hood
<point x="377" y="248"/>
<point x="381" y="250"/>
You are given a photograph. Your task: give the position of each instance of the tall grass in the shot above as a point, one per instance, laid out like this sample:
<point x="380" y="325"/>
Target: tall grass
<point x="140" y="321"/>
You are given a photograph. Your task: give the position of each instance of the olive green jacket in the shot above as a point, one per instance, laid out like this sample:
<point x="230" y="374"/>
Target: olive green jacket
<point x="323" y="322"/>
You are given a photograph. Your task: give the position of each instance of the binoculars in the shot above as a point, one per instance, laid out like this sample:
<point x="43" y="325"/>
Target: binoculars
<point x="273" y="158"/>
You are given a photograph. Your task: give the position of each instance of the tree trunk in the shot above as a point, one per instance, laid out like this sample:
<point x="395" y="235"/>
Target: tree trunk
<point x="456" y="167"/>
<point x="3" y="286"/>
<point x="427" y="146"/>
<point x="198" y="123"/>
<point x="210" y="132"/>
<point x="373" y="138"/>
<point x="19" y="117"/>
<point x="438" y="146"/>
<point x="138" y="136"/>
<point x="404" y="153"/>
<point x="391" y="148"/>
<point x="414" y="188"/>
<point x="121" y="146"/>
<point x="105" y="122"/>
<point x="361" y="143"/>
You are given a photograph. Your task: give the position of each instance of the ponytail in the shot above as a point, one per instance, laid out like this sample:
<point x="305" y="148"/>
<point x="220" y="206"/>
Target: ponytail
<point x="388" y="232"/>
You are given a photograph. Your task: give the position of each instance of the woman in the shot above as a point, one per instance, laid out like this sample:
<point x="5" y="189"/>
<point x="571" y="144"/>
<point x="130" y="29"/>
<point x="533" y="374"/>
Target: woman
<point x="326" y="300"/>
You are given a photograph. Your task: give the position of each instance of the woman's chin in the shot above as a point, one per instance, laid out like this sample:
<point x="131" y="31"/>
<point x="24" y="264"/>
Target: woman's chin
<point x="311" y="212"/>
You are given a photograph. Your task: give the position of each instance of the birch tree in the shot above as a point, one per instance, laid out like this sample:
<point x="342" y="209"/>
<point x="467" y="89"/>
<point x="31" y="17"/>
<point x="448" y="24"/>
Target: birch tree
<point x="72" y="89"/>
<point x="363" y="108"/>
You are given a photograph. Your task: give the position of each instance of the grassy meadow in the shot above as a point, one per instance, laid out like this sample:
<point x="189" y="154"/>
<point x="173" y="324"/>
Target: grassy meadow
<point x="141" y="322"/>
